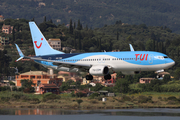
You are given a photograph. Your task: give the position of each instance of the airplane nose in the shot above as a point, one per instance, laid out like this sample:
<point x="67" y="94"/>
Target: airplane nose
<point x="171" y="62"/>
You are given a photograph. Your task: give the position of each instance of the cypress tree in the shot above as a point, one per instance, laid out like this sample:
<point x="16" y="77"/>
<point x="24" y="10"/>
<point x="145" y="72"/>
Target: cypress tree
<point x="79" y="26"/>
<point x="178" y="52"/>
<point x="117" y="37"/>
<point x="44" y="19"/>
<point x="70" y="27"/>
<point x="74" y="25"/>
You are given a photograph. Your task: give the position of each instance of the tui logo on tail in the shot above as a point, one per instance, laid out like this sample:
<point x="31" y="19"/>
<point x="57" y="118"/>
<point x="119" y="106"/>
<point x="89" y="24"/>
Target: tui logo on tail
<point x="37" y="45"/>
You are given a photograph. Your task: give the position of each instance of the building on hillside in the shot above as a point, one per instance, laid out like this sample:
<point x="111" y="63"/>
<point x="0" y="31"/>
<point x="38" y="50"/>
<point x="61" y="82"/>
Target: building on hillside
<point x="145" y="80"/>
<point x="84" y="82"/>
<point x="69" y="76"/>
<point x="38" y="77"/>
<point x="4" y="40"/>
<point x="7" y="29"/>
<point x="44" y="88"/>
<point x="55" y="43"/>
<point x="1" y="18"/>
<point x="56" y="81"/>
<point x="83" y="93"/>
<point x="66" y="49"/>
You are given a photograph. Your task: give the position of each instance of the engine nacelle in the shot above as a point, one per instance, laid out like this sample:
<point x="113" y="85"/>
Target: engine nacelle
<point x="99" y="70"/>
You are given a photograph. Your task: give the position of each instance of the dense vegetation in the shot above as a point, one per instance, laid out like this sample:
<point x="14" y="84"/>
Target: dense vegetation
<point x="97" y="13"/>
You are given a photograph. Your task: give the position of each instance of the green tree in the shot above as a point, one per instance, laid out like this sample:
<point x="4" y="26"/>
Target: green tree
<point x="70" y="27"/>
<point x="166" y="78"/>
<point x="27" y="85"/>
<point x="79" y="25"/>
<point x="122" y="85"/>
<point x="44" y="19"/>
<point x="97" y="87"/>
<point x="79" y="101"/>
<point x="176" y="74"/>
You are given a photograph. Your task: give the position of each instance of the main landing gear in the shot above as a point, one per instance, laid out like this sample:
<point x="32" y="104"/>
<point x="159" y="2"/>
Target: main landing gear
<point x="89" y="77"/>
<point x="108" y="76"/>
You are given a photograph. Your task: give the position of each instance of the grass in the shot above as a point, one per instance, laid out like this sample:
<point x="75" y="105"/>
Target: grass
<point x="66" y="101"/>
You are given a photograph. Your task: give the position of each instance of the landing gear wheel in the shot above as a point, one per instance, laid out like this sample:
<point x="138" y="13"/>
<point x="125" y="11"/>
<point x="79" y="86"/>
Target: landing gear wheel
<point x="89" y="77"/>
<point x="108" y="76"/>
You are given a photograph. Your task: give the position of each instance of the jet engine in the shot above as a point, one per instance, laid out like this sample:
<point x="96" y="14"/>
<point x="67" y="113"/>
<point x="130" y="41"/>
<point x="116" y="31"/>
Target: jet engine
<point x="99" y="70"/>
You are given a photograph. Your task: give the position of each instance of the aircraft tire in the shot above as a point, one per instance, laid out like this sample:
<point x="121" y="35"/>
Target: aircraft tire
<point x="89" y="77"/>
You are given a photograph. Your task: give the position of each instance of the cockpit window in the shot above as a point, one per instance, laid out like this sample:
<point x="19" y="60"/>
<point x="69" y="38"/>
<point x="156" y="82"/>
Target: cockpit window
<point x="166" y="57"/>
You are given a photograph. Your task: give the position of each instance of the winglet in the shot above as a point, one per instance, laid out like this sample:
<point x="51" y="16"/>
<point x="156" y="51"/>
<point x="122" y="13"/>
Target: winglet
<point x="20" y="53"/>
<point x="131" y="47"/>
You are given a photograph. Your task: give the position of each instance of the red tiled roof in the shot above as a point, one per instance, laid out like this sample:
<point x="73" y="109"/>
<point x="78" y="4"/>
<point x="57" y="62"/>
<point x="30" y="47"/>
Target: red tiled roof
<point x="49" y="86"/>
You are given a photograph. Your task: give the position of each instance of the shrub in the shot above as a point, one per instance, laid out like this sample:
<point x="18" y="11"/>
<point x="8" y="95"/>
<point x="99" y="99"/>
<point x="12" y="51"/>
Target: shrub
<point x="173" y="98"/>
<point x="80" y="94"/>
<point x="25" y="98"/>
<point x="17" y="96"/>
<point x="160" y="98"/>
<point x="79" y="101"/>
<point x="99" y="98"/>
<point x="35" y="101"/>
<point x="5" y="88"/>
<point x="50" y="96"/>
<point x="28" y="90"/>
<point x="94" y="101"/>
<point x="11" y="83"/>
<point x="171" y="102"/>
<point x="144" y="99"/>
<point x="5" y="99"/>
<point x="14" y="88"/>
<point x="125" y="98"/>
<point x="20" y="89"/>
<point x="92" y="96"/>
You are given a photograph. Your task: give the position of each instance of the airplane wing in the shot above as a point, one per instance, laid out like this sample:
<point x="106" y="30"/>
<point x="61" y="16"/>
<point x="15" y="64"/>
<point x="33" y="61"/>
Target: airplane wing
<point x="55" y="62"/>
<point x="61" y="63"/>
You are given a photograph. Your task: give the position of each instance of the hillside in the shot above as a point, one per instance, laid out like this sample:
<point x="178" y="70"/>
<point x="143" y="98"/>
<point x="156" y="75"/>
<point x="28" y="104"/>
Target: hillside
<point x="97" y="13"/>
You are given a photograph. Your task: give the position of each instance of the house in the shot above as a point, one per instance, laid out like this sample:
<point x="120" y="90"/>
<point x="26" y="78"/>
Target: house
<point x="4" y="40"/>
<point x="56" y="81"/>
<point x="145" y="80"/>
<point x="85" y="92"/>
<point x="7" y="29"/>
<point x="44" y="88"/>
<point x="67" y="49"/>
<point x="38" y="77"/>
<point x="84" y="82"/>
<point x="1" y="18"/>
<point x="69" y="76"/>
<point x="55" y="43"/>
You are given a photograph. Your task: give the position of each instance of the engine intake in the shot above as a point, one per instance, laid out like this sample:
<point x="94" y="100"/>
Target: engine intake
<point x="99" y="70"/>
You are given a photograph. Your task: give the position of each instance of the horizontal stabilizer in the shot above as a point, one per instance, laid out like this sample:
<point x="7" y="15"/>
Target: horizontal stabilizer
<point x="20" y="53"/>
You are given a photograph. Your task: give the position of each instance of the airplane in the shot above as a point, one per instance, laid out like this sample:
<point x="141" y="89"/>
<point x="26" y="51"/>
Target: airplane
<point x="95" y="63"/>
